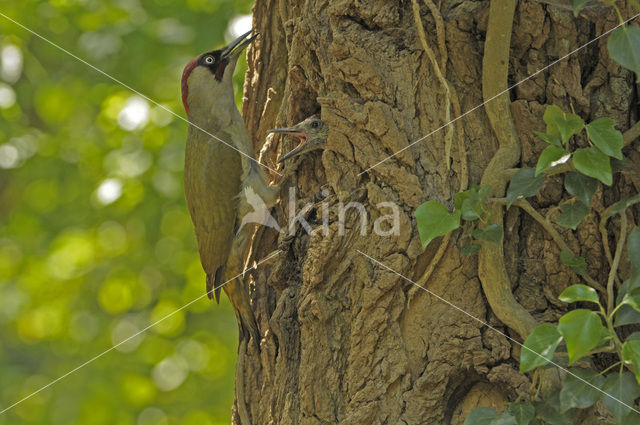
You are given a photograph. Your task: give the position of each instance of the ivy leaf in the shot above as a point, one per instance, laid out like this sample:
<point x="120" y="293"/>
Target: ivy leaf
<point x="626" y="315"/>
<point x="505" y="418"/>
<point x="470" y="248"/>
<point x="619" y="387"/>
<point x="581" y="186"/>
<point x="623" y="204"/>
<point x="562" y="124"/>
<point x="492" y="233"/>
<point x="577" y="263"/>
<point x="484" y="191"/>
<point x="618" y="165"/>
<point x="524" y="184"/>
<point x="539" y="347"/>
<point x="604" y="135"/>
<point x="572" y="214"/>
<point x="435" y="220"/>
<point x="471" y="209"/>
<point x="575" y="393"/>
<point x="471" y="202"/>
<point x="575" y="293"/>
<point x="632" y="299"/>
<point x="548" y="156"/>
<point x="631" y="354"/>
<point x="460" y="197"/>
<point x="552" y="140"/>
<point x="623" y="47"/>
<point x="578" y="5"/>
<point x="523" y="412"/>
<point x="550" y="411"/>
<point x="582" y="330"/>
<point x="480" y="416"/>
<point x="593" y="163"/>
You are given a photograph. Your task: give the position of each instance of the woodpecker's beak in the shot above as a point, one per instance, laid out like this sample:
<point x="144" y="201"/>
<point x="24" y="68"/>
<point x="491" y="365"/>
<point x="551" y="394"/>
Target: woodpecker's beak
<point x="233" y="50"/>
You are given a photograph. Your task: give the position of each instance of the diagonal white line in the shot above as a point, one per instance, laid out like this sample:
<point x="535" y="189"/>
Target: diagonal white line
<point x="499" y="94"/>
<point x="450" y="304"/>
<point x="134" y="335"/>
<point x="135" y="91"/>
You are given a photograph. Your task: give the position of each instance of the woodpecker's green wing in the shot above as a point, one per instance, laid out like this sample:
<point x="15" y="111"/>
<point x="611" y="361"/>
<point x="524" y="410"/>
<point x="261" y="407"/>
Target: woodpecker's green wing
<point x="212" y="182"/>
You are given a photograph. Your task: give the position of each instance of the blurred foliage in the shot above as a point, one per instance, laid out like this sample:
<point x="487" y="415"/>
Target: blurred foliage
<point x="95" y="238"/>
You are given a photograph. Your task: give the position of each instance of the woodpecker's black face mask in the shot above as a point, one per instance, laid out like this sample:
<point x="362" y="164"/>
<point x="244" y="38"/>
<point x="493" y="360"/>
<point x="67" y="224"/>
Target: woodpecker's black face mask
<point x="217" y="60"/>
<point x="214" y="62"/>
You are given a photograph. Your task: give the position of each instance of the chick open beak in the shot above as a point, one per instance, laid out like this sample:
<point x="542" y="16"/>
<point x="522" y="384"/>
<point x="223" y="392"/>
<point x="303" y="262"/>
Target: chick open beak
<point x="293" y="131"/>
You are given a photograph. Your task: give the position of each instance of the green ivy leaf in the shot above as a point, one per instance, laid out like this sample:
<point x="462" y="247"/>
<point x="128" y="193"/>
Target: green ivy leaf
<point x="548" y="156"/>
<point x="578" y="5"/>
<point x="619" y="387"/>
<point x="626" y="315"/>
<point x="492" y="233"/>
<point x="604" y="135"/>
<point x="631" y="354"/>
<point x="582" y="330"/>
<point x="623" y="204"/>
<point x="524" y="412"/>
<point x="581" y="186"/>
<point x="460" y="197"/>
<point x="552" y="140"/>
<point x="577" y="263"/>
<point x="618" y="165"/>
<point x="471" y="202"/>
<point x="562" y="124"/>
<point x="593" y="163"/>
<point x="632" y="299"/>
<point x="504" y="419"/>
<point x="480" y="416"/>
<point x="575" y="293"/>
<point x="550" y="411"/>
<point x="575" y="393"/>
<point x="435" y="220"/>
<point x="471" y="209"/>
<point x="484" y="191"/>
<point x="524" y="184"/>
<point x="572" y="214"/>
<point x="539" y="347"/>
<point x="631" y="418"/>
<point x="470" y="248"/>
<point x="623" y="47"/>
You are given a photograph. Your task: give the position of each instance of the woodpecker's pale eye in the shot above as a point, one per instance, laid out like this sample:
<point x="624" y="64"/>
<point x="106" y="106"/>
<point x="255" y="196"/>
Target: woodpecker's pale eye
<point x="208" y="60"/>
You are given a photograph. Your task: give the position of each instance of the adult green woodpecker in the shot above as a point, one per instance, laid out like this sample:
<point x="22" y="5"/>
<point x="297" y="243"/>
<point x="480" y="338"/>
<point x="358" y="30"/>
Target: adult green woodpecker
<point x="218" y="165"/>
<point x="311" y="132"/>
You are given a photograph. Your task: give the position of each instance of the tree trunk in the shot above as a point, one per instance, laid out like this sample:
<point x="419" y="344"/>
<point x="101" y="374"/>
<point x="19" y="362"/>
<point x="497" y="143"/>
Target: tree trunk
<point x="344" y="339"/>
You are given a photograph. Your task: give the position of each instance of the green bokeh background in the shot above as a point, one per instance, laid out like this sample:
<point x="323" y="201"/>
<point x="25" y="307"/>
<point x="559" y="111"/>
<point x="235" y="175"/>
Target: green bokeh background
<point x="78" y="273"/>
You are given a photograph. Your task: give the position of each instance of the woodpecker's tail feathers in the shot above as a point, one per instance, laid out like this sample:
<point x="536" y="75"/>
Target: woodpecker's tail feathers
<point x="214" y="284"/>
<point x="239" y="297"/>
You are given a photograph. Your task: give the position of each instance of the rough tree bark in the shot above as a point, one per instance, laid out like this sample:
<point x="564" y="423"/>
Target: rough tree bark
<point x="346" y="341"/>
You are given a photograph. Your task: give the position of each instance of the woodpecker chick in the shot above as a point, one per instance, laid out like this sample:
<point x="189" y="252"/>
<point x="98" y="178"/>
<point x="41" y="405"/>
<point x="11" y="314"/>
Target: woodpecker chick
<point x="214" y="173"/>
<point x="312" y="133"/>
